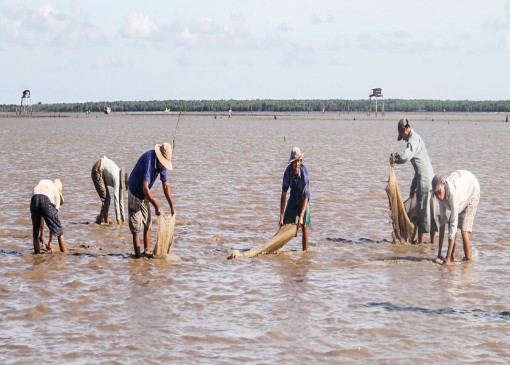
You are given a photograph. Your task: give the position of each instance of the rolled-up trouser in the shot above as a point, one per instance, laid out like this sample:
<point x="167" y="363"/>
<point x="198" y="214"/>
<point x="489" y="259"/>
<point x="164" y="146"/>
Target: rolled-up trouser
<point x="101" y="188"/>
<point x="40" y="206"/>
<point x="467" y="216"/>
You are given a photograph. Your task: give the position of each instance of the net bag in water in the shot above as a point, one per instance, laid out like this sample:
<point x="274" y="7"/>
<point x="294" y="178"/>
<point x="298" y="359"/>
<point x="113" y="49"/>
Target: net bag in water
<point x="166" y="225"/>
<point x="284" y="235"/>
<point x="403" y="228"/>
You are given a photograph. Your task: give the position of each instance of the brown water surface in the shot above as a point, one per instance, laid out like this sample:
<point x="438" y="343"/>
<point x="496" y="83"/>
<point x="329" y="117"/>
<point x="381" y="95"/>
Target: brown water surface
<point x="354" y="297"/>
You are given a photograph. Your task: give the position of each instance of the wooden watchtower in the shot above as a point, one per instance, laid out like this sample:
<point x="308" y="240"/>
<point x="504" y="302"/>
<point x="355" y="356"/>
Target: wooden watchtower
<point x="26" y="104"/>
<point x="375" y="93"/>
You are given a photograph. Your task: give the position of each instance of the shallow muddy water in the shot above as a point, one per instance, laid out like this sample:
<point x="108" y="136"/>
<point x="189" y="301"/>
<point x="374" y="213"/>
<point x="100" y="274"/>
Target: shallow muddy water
<point x="354" y="297"/>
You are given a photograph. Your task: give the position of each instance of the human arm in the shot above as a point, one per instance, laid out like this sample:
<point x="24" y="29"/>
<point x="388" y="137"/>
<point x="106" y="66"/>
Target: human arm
<point x="48" y="245"/>
<point x="404" y="156"/>
<point x="454" y="216"/>
<point x="168" y="196"/>
<point x="441" y="238"/>
<point x="283" y="200"/>
<point x="451" y="249"/>
<point x="148" y="195"/>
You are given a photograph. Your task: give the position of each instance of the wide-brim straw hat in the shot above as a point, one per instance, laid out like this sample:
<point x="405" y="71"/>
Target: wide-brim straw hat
<point x="58" y="184"/>
<point x="164" y="154"/>
<point x="295" y="154"/>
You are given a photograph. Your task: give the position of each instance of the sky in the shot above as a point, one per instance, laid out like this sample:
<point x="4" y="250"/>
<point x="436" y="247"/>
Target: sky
<point x="108" y="50"/>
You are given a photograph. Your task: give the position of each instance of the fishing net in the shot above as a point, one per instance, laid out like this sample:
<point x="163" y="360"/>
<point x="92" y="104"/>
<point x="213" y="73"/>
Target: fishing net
<point x="284" y="235"/>
<point x="403" y="228"/>
<point x="166" y="225"/>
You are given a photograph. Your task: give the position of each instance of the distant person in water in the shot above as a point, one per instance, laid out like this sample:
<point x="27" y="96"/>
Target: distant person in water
<point x="296" y="178"/>
<point x="151" y="164"/>
<point x="416" y="152"/>
<point x="105" y="173"/>
<point x="459" y="193"/>
<point x="46" y="200"/>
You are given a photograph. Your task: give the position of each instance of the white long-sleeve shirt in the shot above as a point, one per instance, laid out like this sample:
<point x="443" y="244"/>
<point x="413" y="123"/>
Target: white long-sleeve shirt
<point x="112" y="178"/>
<point x="460" y="187"/>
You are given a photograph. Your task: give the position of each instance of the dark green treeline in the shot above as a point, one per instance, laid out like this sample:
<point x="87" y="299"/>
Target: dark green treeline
<point x="260" y="105"/>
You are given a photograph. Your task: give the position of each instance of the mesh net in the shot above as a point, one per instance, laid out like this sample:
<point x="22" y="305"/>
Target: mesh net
<point x="284" y="235"/>
<point x="166" y="225"/>
<point x="403" y="228"/>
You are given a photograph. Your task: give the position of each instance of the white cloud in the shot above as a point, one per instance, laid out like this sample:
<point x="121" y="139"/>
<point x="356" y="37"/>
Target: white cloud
<point x="438" y="43"/>
<point x="507" y="41"/>
<point x="47" y="25"/>
<point x="140" y="26"/>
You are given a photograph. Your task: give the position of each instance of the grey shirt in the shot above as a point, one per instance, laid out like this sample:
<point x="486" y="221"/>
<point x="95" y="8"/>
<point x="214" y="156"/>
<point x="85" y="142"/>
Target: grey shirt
<point x="416" y="152"/>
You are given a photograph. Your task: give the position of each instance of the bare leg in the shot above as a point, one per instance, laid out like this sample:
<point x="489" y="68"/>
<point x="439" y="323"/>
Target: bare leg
<point x="136" y="245"/>
<point x="432" y="237"/>
<point x="305" y="238"/>
<point x="62" y="244"/>
<point x="453" y="249"/>
<point x="147" y="239"/>
<point x="467" y="246"/>
<point x="421" y="237"/>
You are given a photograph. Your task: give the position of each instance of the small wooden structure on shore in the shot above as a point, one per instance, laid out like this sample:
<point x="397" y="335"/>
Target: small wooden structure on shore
<point x="25" y="108"/>
<point x="375" y="93"/>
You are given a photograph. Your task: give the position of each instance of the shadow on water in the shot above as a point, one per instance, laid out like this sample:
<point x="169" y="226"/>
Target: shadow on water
<point x="477" y="313"/>
<point x="10" y="252"/>
<point x="406" y="259"/>
<point x="78" y="254"/>
<point x="91" y="254"/>
<point x="357" y="240"/>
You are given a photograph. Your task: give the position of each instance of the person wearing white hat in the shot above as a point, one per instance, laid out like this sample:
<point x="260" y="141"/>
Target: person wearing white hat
<point x="105" y="173"/>
<point x="151" y="164"/>
<point x="47" y="197"/>
<point x="296" y="178"/>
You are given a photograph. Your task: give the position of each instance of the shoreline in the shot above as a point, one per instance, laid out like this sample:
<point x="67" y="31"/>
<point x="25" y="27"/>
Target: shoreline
<point x="339" y="116"/>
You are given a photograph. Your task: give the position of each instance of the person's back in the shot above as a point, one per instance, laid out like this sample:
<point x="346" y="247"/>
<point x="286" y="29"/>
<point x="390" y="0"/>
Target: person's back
<point x="146" y="169"/>
<point x="111" y="172"/>
<point x="461" y="186"/>
<point x="49" y="189"/>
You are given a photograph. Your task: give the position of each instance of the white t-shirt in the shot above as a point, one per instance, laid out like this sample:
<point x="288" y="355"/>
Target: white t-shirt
<point x="460" y="187"/>
<point x="46" y="187"/>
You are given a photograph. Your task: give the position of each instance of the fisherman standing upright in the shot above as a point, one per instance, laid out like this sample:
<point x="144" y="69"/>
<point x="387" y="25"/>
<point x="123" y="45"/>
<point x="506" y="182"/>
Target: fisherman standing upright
<point x="416" y="153"/>
<point x="296" y="178"/>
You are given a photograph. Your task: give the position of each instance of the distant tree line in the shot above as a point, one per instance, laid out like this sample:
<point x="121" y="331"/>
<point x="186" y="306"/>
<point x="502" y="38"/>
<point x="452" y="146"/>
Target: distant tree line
<point x="272" y="105"/>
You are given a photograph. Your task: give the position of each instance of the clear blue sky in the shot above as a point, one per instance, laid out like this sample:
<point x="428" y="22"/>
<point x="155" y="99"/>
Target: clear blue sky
<point x="106" y="50"/>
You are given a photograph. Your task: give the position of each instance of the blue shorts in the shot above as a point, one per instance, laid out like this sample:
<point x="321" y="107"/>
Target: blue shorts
<point x="41" y="207"/>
